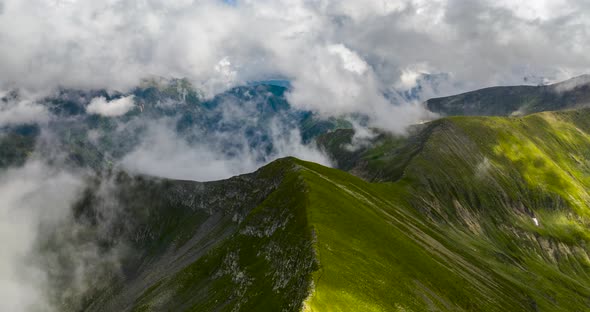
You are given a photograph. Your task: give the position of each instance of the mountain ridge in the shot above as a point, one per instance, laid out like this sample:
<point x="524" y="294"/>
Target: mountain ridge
<point x="455" y="232"/>
<point x="515" y="100"/>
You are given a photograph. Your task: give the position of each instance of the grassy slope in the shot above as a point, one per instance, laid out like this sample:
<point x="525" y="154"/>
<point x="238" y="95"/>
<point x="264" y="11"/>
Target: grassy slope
<point x="377" y="255"/>
<point x="454" y="232"/>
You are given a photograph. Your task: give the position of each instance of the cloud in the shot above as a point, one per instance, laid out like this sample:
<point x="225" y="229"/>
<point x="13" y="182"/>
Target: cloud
<point x="15" y="110"/>
<point x="32" y="195"/>
<point x="350" y="60"/>
<point x="341" y="56"/>
<point x="50" y="258"/>
<point x="114" y="108"/>
<point x="541" y="9"/>
<point x="162" y="153"/>
<point x="288" y="142"/>
<point x="218" y="155"/>
<point x="572" y="83"/>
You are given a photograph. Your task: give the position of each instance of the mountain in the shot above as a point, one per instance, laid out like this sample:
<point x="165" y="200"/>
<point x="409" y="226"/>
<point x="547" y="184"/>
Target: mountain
<point x="515" y="100"/>
<point x="464" y="214"/>
<point x="248" y="118"/>
<point x="255" y="115"/>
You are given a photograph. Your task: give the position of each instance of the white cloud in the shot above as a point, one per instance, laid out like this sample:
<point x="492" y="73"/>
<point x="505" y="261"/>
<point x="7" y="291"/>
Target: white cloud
<point x="350" y="60"/>
<point x="114" y="108"/>
<point x="572" y="83"/>
<point x="31" y="195"/>
<point x="360" y="10"/>
<point x="539" y="9"/>
<point x="410" y="75"/>
<point x="341" y="55"/>
<point x="164" y="153"/>
<point x="16" y="112"/>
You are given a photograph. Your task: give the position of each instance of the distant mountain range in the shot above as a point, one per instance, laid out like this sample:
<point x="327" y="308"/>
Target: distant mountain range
<point x="258" y="105"/>
<point x="242" y="118"/>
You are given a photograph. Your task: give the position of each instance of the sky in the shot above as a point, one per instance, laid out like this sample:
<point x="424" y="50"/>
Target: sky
<point x="340" y="56"/>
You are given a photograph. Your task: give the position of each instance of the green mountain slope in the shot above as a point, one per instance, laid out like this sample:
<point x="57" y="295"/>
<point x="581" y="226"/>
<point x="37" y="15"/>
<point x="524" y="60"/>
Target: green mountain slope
<point x="481" y="181"/>
<point x="515" y="100"/>
<point x="453" y="230"/>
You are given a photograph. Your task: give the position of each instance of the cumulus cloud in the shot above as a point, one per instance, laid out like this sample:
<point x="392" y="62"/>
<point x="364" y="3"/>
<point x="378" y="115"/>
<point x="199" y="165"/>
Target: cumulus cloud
<point x="114" y="108"/>
<point x="341" y="56"/>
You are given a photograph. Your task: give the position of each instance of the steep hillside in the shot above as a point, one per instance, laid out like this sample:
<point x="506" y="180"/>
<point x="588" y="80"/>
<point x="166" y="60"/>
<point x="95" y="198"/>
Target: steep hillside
<point x="515" y="100"/>
<point x="152" y="232"/>
<point x="506" y="195"/>
<point x="485" y="214"/>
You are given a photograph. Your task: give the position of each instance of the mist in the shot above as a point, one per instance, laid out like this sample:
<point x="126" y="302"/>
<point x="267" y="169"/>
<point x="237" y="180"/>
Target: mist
<point x="163" y="153"/>
<point x="32" y="196"/>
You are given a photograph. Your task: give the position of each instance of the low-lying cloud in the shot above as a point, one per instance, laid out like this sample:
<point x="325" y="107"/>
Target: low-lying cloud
<point x="113" y="108"/>
<point x="16" y="111"/>
<point x="32" y="195"/>
<point x="163" y="153"/>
